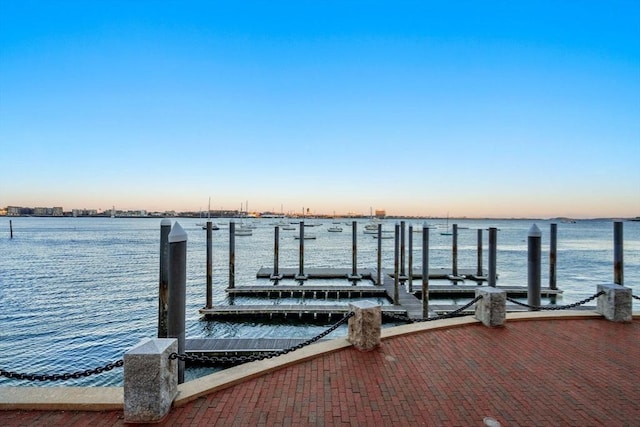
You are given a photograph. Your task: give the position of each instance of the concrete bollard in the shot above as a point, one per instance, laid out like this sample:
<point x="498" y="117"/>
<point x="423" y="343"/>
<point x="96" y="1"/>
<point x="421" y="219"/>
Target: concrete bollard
<point x="150" y="380"/>
<point x="492" y="308"/>
<point x="534" y="263"/>
<point x="365" y="325"/>
<point x="615" y="304"/>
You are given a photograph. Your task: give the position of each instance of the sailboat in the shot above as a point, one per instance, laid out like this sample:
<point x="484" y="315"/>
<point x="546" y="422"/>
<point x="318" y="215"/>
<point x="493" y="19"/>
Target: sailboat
<point x="242" y="229"/>
<point x="213" y="226"/>
<point x="447" y="233"/>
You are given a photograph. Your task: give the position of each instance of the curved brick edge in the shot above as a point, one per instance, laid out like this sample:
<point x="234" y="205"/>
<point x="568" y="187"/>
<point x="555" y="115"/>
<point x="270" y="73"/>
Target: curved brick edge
<point x="112" y="398"/>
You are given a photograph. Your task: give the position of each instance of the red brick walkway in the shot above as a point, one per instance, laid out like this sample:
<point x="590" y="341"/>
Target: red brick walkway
<point x="530" y="373"/>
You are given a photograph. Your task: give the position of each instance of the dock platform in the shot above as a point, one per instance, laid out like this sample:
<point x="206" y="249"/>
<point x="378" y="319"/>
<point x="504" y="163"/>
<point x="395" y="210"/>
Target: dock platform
<point x="313" y="312"/>
<point x="309" y="291"/>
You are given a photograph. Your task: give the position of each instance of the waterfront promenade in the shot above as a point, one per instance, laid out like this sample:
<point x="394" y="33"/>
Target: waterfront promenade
<point x="540" y="369"/>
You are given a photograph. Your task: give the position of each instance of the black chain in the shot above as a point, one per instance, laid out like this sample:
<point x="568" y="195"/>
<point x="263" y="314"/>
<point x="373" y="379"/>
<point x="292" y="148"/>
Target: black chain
<point x="636" y="297"/>
<point x="455" y="313"/>
<point x="556" y="307"/>
<point x="61" y="377"/>
<point x="238" y="360"/>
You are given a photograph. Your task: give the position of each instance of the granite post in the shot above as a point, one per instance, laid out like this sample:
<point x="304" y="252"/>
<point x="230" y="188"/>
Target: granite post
<point x="150" y="380"/>
<point x="615" y="304"/>
<point x="491" y="309"/>
<point x="365" y="325"/>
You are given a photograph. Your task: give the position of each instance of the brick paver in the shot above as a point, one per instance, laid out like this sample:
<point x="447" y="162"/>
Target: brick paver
<point x="529" y="373"/>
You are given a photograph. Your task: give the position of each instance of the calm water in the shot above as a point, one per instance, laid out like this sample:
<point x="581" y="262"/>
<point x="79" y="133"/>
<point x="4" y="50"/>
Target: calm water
<point x="76" y="293"/>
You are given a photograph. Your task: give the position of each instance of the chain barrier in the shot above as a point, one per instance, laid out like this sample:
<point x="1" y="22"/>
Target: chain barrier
<point x="456" y="313"/>
<point x="635" y="296"/>
<point x="61" y="377"/>
<point x="238" y="360"/>
<point x="556" y="307"/>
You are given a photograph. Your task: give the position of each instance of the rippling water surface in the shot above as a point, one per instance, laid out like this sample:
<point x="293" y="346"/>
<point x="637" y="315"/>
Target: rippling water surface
<point x="76" y="293"/>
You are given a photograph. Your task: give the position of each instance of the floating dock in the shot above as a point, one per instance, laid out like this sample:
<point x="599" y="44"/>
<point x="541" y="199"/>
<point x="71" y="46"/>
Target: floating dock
<point x="296" y="311"/>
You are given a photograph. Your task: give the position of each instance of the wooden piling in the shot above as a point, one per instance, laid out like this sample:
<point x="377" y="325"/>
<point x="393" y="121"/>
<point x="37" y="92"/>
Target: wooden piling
<point x="553" y="253"/>
<point x="232" y="255"/>
<point x="534" y="260"/>
<point x="410" y="258"/>
<point x="454" y="251"/>
<point x="493" y="245"/>
<point x="402" y="238"/>
<point x="479" y="269"/>
<point x="618" y="265"/>
<point x="379" y="272"/>
<point x="425" y="271"/>
<point x="301" y="275"/>
<point x="163" y="285"/>
<point x="11" y="228"/>
<point x="177" y="291"/>
<point x="354" y="252"/>
<point x="209" y="302"/>
<point x="396" y="255"/>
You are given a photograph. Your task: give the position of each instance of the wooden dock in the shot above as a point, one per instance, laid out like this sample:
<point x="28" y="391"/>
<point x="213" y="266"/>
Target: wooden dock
<point x="238" y="346"/>
<point x="309" y="290"/>
<point x="297" y="311"/>
<point x="315" y="273"/>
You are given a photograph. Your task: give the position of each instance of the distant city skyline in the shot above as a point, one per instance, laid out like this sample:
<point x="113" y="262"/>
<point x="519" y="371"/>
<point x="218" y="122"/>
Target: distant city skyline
<point x="469" y="109"/>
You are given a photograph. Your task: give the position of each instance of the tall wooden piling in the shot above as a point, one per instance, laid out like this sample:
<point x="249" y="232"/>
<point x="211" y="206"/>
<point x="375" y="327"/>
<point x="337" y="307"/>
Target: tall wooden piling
<point x="276" y="251"/>
<point x="402" y="238"/>
<point x="534" y="262"/>
<point x="425" y="271"/>
<point x="479" y="251"/>
<point x="396" y="262"/>
<point x="209" y="303"/>
<point x="301" y="275"/>
<point x="618" y="265"/>
<point x="11" y="228"/>
<point x="232" y="255"/>
<point x="493" y="251"/>
<point x="177" y="291"/>
<point x="553" y="254"/>
<point x="354" y="252"/>
<point x="454" y="251"/>
<point x="379" y="272"/>
<point x="163" y="283"/>
<point x="410" y="258"/>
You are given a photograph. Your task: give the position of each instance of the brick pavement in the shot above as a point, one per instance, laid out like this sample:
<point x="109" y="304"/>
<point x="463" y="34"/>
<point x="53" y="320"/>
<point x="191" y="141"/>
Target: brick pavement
<point x="528" y="373"/>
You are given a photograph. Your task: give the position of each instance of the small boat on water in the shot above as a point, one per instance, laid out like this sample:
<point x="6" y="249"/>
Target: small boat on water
<point x="334" y="229"/>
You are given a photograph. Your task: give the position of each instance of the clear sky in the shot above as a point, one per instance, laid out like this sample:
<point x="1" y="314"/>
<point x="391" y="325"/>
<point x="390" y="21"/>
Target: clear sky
<point x="472" y="108"/>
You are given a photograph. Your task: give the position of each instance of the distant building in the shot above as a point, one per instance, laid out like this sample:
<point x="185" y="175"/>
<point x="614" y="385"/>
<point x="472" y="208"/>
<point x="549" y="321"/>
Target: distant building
<point x="381" y="213"/>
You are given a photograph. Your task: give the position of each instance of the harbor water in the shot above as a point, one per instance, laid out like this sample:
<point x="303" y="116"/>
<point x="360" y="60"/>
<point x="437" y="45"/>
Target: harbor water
<point x="76" y="293"/>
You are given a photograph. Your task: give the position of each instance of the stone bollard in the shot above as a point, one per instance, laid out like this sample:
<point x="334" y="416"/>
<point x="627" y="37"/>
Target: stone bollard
<point x="491" y="309"/>
<point x="365" y="325"/>
<point x="615" y="304"/>
<point x="150" y="380"/>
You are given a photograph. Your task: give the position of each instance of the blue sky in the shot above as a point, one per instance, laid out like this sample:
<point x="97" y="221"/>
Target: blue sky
<point x="479" y="109"/>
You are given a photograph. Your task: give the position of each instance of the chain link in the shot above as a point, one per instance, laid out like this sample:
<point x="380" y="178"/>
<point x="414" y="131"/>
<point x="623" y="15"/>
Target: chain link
<point x="636" y="297"/>
<point x="60" y="377"/>
<point x="238" y="360"/>
<point x="556" y="307"/>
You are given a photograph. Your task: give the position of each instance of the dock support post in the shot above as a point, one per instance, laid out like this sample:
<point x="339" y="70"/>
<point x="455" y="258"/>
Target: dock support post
<point x="534" y="260"/>
<point x="276" y="250"/>
<point x="553" y="258"/>
<point x="403" y="275"/>
<point x="491" y="309"/>
<point x="150" y="380"/>
<point x="479" y="269"/>
<point x="454" y="251"/>
<point x="365" y="325"/>
<point x="618" y="266"/>
<point x="163" y="285"/>
<point x="354" y="252"/>
<point x="177" y="290"/>
<point x="410" y="266"/>
<point x="11" y="228"/>
<point x="615" y="304"/>
<point x="379" y="282"/>
<point x="209" y="303"/>
<point x="493" y="249"/>
<point x="425" y="271"/>
<point x="301" y="275"/>
<point x="396" y="254"/>
<point x="232" y="255"/>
